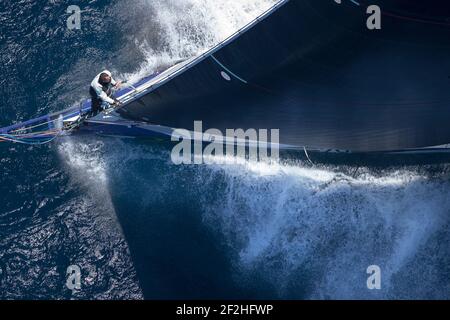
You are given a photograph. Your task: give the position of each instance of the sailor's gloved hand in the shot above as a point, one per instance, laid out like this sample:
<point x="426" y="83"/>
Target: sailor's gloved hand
<point x="116" y="103"/>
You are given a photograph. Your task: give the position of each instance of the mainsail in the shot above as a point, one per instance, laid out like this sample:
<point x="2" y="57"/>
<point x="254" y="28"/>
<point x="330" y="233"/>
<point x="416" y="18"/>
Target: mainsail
<point x="315" y="71"/>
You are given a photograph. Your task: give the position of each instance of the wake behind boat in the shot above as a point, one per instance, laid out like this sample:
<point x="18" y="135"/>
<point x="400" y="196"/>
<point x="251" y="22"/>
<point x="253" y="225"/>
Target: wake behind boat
<point x="309" y="68"/>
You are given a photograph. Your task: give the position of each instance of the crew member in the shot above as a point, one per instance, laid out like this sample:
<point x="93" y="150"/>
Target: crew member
<point x="101" y="92"/>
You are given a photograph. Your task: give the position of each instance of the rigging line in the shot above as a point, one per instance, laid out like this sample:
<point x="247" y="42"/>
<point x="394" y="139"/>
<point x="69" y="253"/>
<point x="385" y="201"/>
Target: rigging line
<point x="28" y="142"/>
<point x="418" y="20"/>
<point x="35" y="139"/>
<point x="409" y="18"/>
<point x="256" y="86"/>
<point x="31" y="138"/>
<point x="307" y="156"/>
<point x="24" y="141"/>
<point x="228" y="70"/>
<point x="36" y="126"/>
<point x="32" y="134"/>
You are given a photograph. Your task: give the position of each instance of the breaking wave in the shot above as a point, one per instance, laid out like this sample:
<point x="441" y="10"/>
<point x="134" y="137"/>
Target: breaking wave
<point x="313" y="232"/>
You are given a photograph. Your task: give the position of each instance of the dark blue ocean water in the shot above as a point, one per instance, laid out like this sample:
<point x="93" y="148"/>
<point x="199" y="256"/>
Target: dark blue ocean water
<point x="140" y="227"/>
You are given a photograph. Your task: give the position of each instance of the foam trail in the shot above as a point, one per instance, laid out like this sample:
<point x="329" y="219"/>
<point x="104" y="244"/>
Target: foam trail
<point x="84" y="159"/>
<point x="312" y="232"/>
<point x="179" y="30"/>
<point x="86" y="164"/>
